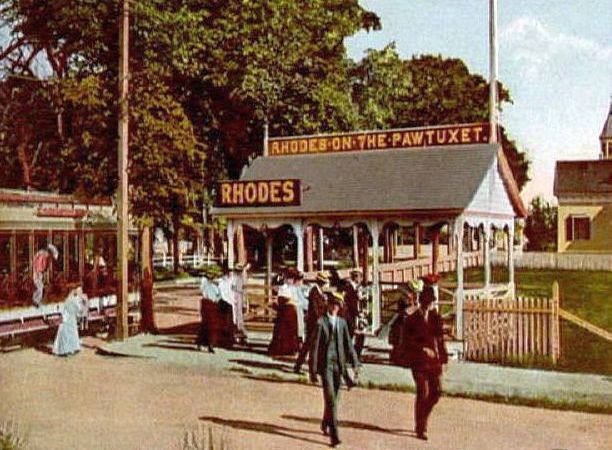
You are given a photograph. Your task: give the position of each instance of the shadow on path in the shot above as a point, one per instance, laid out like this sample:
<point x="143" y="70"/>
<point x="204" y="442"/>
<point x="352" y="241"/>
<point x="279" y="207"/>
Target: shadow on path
<point x="268" y="379"/>
<point x="352" y="424"/>
<point x="263" y="365"/>
<point x="262" y="427"/>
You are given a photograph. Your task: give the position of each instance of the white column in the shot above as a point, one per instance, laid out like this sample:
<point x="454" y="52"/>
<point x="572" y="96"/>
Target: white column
<point x="269" y="241"/>
<point x="376" y="310"/>
<point x="511" y="260"/>
<point x="298" y="229"/>
<point x="321" y="249"/>
<point x="459" y="291"/>
<point x="486" y="256"/>
<point x="230" y="244"/>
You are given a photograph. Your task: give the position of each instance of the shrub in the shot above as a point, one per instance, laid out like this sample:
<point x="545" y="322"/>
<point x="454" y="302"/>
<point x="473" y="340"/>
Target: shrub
<point x="206" y="438"/>
<point x="10" y="437"/>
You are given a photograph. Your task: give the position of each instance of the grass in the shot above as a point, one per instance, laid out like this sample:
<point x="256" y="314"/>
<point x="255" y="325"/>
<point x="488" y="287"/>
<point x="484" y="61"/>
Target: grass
<point x="10" y="437"/>
<point x="585" y="294"/>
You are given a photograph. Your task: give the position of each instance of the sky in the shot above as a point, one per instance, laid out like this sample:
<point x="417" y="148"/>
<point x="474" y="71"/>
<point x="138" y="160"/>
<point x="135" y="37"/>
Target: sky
<point x="555" y="57"/>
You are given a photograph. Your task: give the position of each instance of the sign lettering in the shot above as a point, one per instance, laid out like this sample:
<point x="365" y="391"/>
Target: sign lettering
<point x="258" y="193"/>
<point x="381" y="140"/>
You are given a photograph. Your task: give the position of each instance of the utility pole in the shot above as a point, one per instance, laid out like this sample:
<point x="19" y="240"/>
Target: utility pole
<point x="493" y="112"/>
<point x="122" y="188"/>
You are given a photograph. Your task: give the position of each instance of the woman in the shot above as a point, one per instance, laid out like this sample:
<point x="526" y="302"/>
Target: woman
<point x="67" y="337"/>
<point x="285" y="339"/>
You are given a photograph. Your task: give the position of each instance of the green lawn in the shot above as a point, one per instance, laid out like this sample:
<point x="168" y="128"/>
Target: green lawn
<point x="586" y="294"/>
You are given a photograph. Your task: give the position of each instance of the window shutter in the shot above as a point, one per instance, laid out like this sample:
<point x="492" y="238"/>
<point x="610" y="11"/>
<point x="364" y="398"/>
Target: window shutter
<point x="569" y="229"/>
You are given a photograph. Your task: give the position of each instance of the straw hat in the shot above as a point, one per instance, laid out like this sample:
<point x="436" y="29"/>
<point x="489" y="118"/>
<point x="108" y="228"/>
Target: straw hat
<point x="335" y="298"/>
<point x="322" y="276"/>
<point x="416" y="286"/>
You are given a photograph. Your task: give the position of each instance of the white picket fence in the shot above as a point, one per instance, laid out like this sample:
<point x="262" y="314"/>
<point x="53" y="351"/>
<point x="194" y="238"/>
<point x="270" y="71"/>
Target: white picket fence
<point x="557" y="261"/>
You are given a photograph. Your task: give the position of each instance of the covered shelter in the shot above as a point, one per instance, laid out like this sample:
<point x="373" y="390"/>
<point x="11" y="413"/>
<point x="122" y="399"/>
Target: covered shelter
<point x="421" y="186"/>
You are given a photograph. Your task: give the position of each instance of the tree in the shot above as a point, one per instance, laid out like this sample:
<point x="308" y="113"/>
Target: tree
<point x="541" y="226"/>
<point x="426" y="90"/>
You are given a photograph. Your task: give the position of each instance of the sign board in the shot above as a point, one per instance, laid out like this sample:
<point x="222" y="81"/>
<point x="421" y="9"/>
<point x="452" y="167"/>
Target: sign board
<point x="258" y="193"/>
<point x="380" y="140"/>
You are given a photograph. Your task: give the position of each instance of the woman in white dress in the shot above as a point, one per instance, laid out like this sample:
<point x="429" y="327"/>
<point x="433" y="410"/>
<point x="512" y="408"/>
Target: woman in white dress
<point x="67" y="337"/>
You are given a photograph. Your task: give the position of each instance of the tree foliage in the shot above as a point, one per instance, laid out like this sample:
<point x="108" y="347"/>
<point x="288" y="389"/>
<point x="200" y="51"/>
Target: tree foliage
<point x="541" y="226"/>
<point x="426" y="90"/>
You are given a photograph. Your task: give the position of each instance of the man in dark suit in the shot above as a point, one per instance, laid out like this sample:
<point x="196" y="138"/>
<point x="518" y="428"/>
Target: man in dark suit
<point x="426" y="354"/>
<point x="352" y="299"/>
<point x="316" y="308"/>
<point x="332" y="349"/>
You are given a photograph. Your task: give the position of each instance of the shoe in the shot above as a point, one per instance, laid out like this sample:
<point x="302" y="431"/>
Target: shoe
<point x="324" y="428"/>
<point x="297" y="370"/>
<point x="421" y="435"/>
<point x="211" y="350"/>
<point x="335" y="442"/>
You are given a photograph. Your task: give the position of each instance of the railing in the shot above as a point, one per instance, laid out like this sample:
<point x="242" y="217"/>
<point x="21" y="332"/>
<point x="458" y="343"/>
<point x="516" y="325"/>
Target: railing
<point x="188" y="260"/>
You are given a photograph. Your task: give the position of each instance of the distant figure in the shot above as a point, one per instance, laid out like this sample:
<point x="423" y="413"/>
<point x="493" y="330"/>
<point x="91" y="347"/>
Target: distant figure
<point x="285" y="335"/>
<point x="352" y="299"/>
<point x="226" y="310"/>
<point x="147" y="322"/>
<point x="331" y="351"/>
<point x="426" y="355"/>
<point x="208" y="333"/>
<point x="40" y="266"/>
<point x="316" y="309"/>
<point x="67" y="337"/>
<point x="398" y="334"/>
<point x="239" y="280"/>
<point x="300" y="294"/>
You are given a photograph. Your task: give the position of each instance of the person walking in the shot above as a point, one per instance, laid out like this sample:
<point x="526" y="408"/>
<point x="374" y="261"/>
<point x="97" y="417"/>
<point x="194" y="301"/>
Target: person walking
<point x="426" y="354"/>
<point x="316" y="308"/>
<point x="208" y="332"/>
<point x="285" y="334"/>
<point x="40" y="266"/>
<point x="331" y="351"/>
<point x="67" y="338"/>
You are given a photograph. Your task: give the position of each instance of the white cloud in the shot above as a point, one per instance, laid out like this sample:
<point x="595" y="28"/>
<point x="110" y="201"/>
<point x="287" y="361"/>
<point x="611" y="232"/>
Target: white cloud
<point x="534" y="45"/>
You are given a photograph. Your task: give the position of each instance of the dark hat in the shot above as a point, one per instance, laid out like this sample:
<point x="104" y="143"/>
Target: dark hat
<point x="431" y="278"/>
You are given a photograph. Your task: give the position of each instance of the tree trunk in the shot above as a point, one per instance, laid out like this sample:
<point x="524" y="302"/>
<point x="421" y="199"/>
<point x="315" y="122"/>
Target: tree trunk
<point x="147" y="305"/>
<point x="175" y="243"/>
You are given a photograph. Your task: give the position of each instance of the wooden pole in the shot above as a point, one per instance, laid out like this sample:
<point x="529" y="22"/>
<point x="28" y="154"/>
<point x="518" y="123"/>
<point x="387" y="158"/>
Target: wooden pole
<point x="435" y="251"/>
<point x="355" y="246"/>
<point x="493" y="119"/>
<point x="122" y="191"/>
<point x="309" y="249"/>
<point x="417" y="240"/>
<point x="269" y="242"/>
<point x="321" y="250"/>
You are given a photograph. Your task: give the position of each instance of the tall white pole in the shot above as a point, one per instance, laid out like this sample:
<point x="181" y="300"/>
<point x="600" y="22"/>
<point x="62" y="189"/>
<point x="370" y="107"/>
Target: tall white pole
<point x="122" y="189"/>
<point x="493" y="111"/>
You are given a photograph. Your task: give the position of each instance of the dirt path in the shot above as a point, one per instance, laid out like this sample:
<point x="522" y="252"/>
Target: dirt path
<point x="95" y="402"/>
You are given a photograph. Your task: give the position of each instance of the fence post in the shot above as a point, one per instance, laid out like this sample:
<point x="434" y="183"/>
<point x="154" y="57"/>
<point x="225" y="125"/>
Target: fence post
<point x="555" y="331"/>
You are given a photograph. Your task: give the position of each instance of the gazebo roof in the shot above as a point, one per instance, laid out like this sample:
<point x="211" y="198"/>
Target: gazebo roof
<point x="416" y="180"/>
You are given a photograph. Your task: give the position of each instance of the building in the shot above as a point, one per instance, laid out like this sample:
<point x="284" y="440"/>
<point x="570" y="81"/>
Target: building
<point x="584" y="193"/>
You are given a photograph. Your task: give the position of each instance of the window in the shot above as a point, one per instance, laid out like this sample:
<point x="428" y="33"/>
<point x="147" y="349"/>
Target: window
<point x="577" y="228"/>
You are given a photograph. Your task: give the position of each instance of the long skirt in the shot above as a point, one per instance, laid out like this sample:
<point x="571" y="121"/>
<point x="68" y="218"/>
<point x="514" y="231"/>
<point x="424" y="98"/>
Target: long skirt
<point x="227" y="329"/>
<point x="285" y="339"/>
<point x="67" y="339"/>
<point x="208" y="333"/>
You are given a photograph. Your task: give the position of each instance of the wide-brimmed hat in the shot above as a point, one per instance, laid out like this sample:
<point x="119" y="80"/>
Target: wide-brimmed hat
<point x="356" y="272"/>
<point x="322" y="276"/>
<point x="53" y="250"/>
<point x="431" y="278"/>
<point x="335" y="298"/>
<point x="416" y="286"/>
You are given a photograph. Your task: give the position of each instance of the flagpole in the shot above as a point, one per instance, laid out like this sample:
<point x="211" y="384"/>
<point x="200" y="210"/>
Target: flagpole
<point x="493" y="107"/>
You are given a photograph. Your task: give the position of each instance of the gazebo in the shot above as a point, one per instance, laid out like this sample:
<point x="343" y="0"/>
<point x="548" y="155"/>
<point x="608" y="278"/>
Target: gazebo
<point x="423" y="178"/>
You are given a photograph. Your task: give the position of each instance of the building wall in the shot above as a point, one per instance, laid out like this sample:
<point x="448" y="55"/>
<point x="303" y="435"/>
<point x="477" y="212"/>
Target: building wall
<point x="600" y="216"/>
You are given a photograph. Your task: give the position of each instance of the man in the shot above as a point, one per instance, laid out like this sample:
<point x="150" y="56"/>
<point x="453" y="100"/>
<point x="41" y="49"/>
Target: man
<point x="40" y="266"/>
<point x="352" y="299"/>
<point x="332" y="349"/>
<point x="316" y="308"/>
<point x="426" y="354"/>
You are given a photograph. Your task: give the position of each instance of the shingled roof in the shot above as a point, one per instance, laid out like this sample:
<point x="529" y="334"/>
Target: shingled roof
<point x="403" y="180"/>
<point x="583" y="177"/>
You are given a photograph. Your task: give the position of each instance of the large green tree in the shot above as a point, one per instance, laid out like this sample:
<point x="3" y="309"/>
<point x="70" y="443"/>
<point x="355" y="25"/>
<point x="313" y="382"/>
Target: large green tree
<point x="426" y="90"/>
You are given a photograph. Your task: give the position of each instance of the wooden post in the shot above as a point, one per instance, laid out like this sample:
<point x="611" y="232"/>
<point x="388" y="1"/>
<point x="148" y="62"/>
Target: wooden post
<point x="355" y="246"/>
<point x="554" y="326"/>
<point x="376" y="312"/>
<point x="230" y="244"/>
<point x="309" y="249"/>
<point x="394" y="236"/>
<point x="364" y="250"/>
<point x="459" y="291"/>
<point x="269" y="242"/>
<point x="435" y="251"/>
<point x="510" y="261"/>
<point x="417" y="241"/>
<point x="321" y="250"/>
<point x="122" y="191"/>
<point x="242" y="252"/>
<point x="486" y="256"/>
<point x="298" y="229"/>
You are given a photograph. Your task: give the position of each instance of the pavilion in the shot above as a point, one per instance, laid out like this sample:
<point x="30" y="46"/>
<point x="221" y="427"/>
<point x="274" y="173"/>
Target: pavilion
<point x="376" y="182"/>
